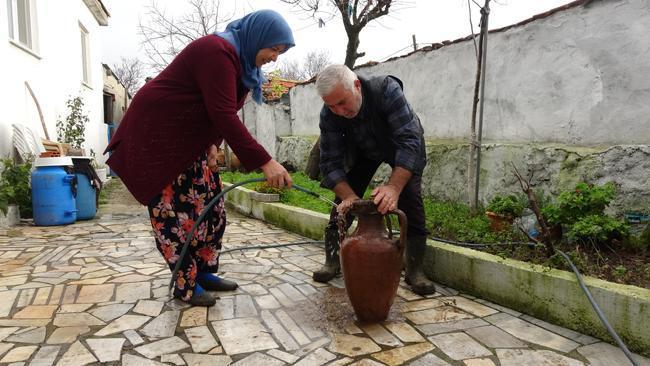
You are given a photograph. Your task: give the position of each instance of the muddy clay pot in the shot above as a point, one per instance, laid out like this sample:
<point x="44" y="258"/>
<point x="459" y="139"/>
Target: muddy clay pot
<point x="371" y="261"/>
<point x="499" y="222"/>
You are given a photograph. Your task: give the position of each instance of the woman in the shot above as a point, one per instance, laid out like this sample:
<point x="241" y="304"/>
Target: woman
<point x="165" y="147"/>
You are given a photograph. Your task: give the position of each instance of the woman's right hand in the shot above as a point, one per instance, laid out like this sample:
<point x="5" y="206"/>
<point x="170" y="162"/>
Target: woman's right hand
<point x="276" y="175"/>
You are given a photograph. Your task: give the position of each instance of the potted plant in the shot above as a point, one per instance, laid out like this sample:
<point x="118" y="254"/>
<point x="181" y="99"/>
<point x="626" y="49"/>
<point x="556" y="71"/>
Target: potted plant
<point x="502" y="210"/>
<point x="15" y="194"/>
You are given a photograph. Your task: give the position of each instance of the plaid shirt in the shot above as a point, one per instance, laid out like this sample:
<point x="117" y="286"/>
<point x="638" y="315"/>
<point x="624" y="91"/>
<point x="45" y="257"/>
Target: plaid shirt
<point x="406" y="136"/>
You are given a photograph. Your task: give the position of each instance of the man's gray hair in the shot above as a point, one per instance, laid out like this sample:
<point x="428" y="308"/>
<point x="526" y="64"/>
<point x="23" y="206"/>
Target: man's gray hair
<point x="332" y="76"/>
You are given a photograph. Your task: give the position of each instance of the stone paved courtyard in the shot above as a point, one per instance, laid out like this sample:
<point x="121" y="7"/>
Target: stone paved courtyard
<point x="96" y="293"/>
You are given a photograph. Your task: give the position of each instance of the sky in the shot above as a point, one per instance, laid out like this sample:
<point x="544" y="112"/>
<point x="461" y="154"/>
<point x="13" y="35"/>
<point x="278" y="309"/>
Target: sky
<point x="430" y="21"/>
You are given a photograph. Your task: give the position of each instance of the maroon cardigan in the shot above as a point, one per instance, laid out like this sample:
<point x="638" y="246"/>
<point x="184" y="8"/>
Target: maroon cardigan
<point x="175" y="117"/>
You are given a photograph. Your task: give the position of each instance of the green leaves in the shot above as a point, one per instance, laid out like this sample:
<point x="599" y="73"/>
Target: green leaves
<point x="14" y="186"/>
<point x="72" y="129"/>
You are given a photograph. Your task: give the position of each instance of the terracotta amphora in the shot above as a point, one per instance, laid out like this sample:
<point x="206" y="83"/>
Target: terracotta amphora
<point x="371" y="260"/>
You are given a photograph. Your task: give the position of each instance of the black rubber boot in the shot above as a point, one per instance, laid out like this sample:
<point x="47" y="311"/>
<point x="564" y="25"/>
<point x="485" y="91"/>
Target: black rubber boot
<point x="420" y="284"/>
<point x="332" y="265"/>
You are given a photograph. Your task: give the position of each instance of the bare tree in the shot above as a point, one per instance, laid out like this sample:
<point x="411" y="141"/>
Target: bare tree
<point x="130" y="72"/>
<point x="474" y="161"/>
<point x="291" y="70"/>
<point x="356" y="14"/>
<point x="164" y="36"/>
<point x="314" y="62"/>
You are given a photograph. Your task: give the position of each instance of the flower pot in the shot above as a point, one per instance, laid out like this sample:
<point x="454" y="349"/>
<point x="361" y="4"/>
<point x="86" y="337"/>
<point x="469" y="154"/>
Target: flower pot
<point x="12" y="217"/>
<point x="499" y="222"/>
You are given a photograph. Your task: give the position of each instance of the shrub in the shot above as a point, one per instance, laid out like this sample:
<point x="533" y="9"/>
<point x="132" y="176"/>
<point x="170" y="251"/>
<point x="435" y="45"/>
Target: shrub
<point x="598" y="229"/>
<point x="584" y="200"/>
<point x="510" y="206"/>
<point x="72" y="129"/>
<point x="14" y="187"/>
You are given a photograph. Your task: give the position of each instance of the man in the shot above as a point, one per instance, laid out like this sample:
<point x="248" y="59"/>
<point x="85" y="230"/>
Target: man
<point x="366" y="122"/>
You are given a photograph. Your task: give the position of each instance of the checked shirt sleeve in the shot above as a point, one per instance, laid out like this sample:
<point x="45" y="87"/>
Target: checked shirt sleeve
<point x="332" y="151"/>
<point x="404" y="126"/>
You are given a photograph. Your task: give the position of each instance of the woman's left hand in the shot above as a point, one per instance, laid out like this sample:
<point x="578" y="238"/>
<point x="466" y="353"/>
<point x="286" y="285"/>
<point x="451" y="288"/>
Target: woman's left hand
<point x="212" y="159"/>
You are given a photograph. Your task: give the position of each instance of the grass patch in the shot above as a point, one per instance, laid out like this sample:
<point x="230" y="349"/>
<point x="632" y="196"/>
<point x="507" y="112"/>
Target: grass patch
<point x="446" y="220"/>
<point x="291" y="197"/>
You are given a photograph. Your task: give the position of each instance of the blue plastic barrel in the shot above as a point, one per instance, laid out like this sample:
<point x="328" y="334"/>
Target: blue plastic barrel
<point x="52" y="197"/>
<point x="86" y="201"/>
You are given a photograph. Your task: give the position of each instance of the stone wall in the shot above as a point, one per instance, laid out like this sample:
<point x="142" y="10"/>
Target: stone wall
<point x="554" y="168"/>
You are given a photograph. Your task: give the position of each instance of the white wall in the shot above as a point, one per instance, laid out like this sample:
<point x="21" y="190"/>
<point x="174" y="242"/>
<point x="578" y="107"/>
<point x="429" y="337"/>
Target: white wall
<point x="54" y="74"/>
<point x="580" y="76"/>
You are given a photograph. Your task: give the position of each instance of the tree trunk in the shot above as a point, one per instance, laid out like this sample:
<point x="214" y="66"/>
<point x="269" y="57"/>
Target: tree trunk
<point x="351" y="54"/>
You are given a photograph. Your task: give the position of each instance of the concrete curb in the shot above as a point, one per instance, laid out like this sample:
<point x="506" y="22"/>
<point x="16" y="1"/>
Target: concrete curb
<point x="295" y="219"/>
<point x="548" y="294"/>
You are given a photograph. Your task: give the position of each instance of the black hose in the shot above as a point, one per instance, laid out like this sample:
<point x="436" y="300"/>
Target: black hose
<point x="600" y="314"/>
<point x="584" y="288"/>
<point x="206" y="209"/>
<point x="265" y="246"/>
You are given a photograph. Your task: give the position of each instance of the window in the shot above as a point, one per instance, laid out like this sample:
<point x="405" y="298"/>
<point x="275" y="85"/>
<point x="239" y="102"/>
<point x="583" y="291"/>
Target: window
<point x="22" y="23"/>
<point x="85" y="55"/>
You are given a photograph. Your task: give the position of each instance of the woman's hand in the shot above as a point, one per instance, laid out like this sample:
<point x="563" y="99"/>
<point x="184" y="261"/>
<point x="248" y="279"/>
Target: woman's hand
<point x="212" y="158"/>
<point x="276" y="175"/>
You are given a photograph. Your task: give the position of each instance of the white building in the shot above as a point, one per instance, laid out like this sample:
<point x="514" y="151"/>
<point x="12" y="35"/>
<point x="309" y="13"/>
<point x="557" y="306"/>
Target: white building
<point x="55" y="48"/>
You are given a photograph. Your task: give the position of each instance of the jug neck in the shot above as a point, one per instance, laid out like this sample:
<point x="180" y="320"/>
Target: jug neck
<point x="373" y="222"/>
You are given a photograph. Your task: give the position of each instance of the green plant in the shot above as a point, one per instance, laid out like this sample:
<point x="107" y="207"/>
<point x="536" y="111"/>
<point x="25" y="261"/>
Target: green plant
<point x="598" y="229"/>
<point x="14" y="187"/>
<point x="510" y="206"/>
<point x="72" y="129"/>
<point x="585" y="199"/>
<point x="619" y="272"/>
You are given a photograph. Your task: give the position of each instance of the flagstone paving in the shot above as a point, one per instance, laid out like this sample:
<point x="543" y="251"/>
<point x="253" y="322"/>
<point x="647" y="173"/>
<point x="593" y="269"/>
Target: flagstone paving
<point x="95" y="292"/>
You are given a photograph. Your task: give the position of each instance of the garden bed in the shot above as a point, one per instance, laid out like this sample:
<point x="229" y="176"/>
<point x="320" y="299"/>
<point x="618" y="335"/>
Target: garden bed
<point x="453" y="221"/>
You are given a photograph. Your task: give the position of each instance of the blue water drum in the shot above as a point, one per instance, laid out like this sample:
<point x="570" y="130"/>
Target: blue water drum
<point x="86" y="200"/>
<point x="53" y="200"/>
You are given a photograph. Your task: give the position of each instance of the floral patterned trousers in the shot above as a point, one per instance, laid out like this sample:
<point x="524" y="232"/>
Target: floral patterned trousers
<point x="173" y="213"/>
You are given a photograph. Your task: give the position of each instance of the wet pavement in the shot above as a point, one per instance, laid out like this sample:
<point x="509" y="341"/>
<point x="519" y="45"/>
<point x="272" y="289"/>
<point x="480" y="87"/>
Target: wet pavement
<point x="95" y="292"/>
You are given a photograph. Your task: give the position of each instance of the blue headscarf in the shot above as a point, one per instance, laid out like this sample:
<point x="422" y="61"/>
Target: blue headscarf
<point x="257" y="30"/>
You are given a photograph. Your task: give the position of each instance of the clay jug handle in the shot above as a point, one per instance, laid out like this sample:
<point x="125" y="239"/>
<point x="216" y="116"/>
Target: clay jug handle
<point x="402" y="226"/>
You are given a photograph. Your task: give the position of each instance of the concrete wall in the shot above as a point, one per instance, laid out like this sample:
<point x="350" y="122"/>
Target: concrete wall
<point x="266" y="122"/>
<point x="579" y="76"/>
<point x="114" y="87"/>
<point x="54" y="72"/>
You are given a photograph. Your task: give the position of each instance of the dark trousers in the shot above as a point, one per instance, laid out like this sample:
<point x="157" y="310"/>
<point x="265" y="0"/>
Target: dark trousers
<point x="410" y="200"/>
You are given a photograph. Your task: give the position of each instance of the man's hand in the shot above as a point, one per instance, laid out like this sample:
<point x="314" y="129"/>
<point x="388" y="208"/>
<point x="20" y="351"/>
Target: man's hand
<point x="386" y="198"/>
<point x="276" y="175"/>
<point x="212" y="158"/>
<point x="345" y="205"/>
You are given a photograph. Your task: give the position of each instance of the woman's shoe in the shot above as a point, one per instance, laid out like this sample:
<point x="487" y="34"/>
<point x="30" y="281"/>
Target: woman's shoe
<point x="202" y="299"/>
<point x="212" y="282"/>
<point x="199" y="297"/>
